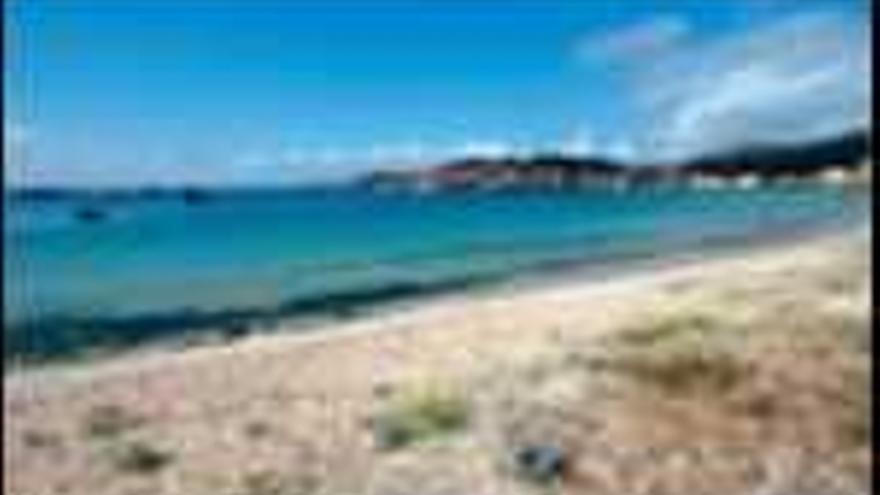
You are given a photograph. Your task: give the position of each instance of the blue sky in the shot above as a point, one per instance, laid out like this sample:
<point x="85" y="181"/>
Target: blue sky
<point x="163" y="92"/>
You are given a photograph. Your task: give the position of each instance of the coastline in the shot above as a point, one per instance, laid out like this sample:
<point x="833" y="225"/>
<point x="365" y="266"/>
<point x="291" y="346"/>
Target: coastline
<point x="190" y="329"/>
<point x="578" y="277"/>
<point x="317" y="393"/>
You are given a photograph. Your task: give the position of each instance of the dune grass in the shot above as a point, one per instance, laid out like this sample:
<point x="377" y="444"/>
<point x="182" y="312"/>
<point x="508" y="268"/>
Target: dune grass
<point x="778" y="376"/>
<point x="420" y="411"/>
<point x="139" y="457"/>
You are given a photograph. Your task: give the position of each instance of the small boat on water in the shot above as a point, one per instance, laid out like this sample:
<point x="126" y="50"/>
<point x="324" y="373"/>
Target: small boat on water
<point x="193" y="196"/>
<point x="90" y="214"/>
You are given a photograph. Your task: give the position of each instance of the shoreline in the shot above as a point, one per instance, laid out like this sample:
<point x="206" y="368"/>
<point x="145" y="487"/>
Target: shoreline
<point x="587" y="277"/>
<point x="323" y="313"/>
<point x="790" y="321"/>
<point x="59" y="337"/>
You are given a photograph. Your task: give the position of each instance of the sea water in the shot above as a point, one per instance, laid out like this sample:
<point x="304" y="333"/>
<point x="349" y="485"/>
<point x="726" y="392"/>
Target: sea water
<point x="156" y="266"/>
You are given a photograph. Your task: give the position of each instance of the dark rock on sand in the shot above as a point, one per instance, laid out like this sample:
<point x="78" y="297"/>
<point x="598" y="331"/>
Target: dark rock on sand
<point x="541" y="463"/>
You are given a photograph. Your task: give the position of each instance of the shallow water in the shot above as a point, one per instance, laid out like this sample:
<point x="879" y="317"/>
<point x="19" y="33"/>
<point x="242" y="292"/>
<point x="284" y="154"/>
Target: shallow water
<point x="154" y="265"/>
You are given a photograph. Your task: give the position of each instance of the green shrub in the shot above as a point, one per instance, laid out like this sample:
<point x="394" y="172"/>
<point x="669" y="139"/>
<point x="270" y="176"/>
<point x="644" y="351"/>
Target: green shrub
<point x="109" y="420"/>
<point x="668" y="329"/>
<point x="141" y="458"/>
<point x="418" y="413"/>
<point x="263" y="483"/>
<point x="687" y="371"/>
<point x="678" y="354"/>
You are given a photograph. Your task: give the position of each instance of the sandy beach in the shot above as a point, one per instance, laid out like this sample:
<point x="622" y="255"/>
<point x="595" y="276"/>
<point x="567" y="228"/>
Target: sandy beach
<point x="744" y="373"/>
<point x="437" y="248"/>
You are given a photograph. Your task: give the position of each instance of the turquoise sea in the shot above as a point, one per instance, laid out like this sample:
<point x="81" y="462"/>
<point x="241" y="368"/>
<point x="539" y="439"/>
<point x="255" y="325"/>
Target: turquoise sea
<point x="157" y="266"/>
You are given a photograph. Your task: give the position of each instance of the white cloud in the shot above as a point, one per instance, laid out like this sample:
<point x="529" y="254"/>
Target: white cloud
<point x="17" y="141"/>
<point x="581" y="142"/>
<point x="319" y="156"/>
<point x="485" y="149"/>
<point x="621" y="150"/>
<point x="16" y="133"/>
<point x="585" y="143"/>
<point x="635" y="42"/>
<point x="332" y="162"/>
<point x="293" y="156"/>
<point x="254" y="160"/>
<point x="806" y="76"/>
<point x="405" y="153"/>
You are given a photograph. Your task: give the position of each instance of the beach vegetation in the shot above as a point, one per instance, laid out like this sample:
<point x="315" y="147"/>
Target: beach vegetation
<point x="668" y="328"/>
<point x="683" y="369"/>
<point x="36" y="438"/>
<point x="263" y="482"/>
<point x="110" y="420"/>
<point x="257" y="429"/>
<point x="140" y="457"/>
<point x="419" y="412"/>
<point x="677" y="353"/>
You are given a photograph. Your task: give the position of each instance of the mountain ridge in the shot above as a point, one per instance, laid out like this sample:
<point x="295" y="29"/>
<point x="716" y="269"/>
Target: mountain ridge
<point x="842" y="153"/>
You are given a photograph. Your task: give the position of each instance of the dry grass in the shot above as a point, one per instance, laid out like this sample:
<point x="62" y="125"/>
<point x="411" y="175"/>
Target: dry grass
<point x="264" y="482"/>
<point x="139" y="457"/>
<point x="696" y="401"/>
<point x="418" y="412"/>
<point x="110" y="420"/>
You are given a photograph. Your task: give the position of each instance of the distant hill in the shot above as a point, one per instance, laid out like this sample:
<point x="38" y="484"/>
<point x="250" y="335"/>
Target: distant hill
<point x="541" y="170"/>
<point x="845" y="153"/>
